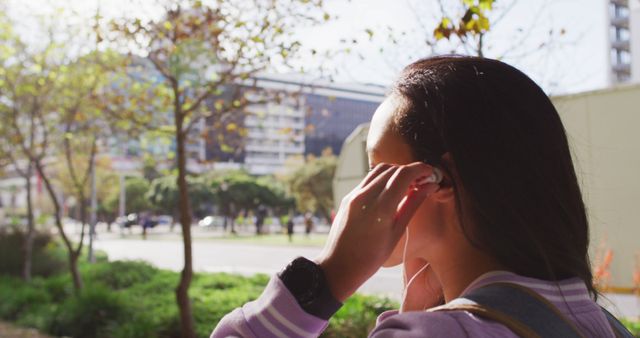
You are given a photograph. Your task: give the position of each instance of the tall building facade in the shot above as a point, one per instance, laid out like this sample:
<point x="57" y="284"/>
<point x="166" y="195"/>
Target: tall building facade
<point x="634" y="28"/>
<point x="620" y="39"/>
<point x="308" y="117"/>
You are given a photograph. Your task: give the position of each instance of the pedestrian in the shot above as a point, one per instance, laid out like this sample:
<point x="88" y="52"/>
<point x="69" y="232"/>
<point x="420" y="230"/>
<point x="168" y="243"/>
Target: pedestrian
<point x="261" y="214"/>
<point x="308" y="223"/>
<point x="473" y="190"/>
<point x="290" y="227"/>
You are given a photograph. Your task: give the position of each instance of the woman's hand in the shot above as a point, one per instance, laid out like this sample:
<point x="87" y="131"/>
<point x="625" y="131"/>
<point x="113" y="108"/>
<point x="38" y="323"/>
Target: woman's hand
<point x="424" y="291"/>
<point x="370" y="221"/>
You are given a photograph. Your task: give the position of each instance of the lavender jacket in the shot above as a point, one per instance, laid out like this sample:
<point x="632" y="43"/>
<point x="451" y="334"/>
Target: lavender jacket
<point x="277" y="314"/>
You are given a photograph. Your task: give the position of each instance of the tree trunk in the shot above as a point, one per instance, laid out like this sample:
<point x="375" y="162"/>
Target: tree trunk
<point x="73" y="259"/>
<point x="182" y="291"/>
<point x="28" y="241"/>
<point x="75" y="273"/>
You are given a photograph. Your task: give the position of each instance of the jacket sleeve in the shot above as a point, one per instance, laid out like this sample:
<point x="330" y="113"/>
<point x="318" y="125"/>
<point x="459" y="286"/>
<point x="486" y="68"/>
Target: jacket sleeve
<point x="417" y="324"/>
<point x="275" y="313"/>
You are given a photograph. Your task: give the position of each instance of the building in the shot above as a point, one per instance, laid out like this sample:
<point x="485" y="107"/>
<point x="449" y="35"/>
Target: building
<point x="634" y="25"/>
<point x="623" y="41"/>
<point x="308" y="117"/>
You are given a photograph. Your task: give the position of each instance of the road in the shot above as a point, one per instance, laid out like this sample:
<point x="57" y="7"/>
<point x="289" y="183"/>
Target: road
<point x="247" y="259"/>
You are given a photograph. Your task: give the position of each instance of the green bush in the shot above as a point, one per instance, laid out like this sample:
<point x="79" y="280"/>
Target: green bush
<point x="95" y="312"/>
<point x="48" y="256"/>
<point x="119" y="274"/>
<point x="633" y="326"/>
<point x="357" y="317"/>
<point x="129" y="299"/>
<point x="16" y="300"/>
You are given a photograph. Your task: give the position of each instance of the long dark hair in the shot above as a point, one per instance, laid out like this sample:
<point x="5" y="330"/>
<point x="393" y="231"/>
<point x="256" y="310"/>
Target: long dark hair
<point x="511" y="157"/>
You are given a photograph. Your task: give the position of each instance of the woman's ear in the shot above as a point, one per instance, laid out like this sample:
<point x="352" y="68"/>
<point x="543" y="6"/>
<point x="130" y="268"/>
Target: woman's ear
<point x="446" y="193"/>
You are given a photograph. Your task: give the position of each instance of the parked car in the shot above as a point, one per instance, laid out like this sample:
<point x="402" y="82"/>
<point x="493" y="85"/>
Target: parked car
<point x="127" y="221"/>
<point x="211" y="221"/>
<point x="164" y="219"/>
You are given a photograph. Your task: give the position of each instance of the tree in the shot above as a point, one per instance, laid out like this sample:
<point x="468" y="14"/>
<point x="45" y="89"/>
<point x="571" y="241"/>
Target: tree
<point x="19" y="111"/>
<point x="469" y="27"/>
<point x="237" y="191"/>
<point x="49" y="113"/>
<point x="163" y="195"/>
<point x="311" y="184"/>
<point x="136" y="189"/>
<point x="203" y="58"/>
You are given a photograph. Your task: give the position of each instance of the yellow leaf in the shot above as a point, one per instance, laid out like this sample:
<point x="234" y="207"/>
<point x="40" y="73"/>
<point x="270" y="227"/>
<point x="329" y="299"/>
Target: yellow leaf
<point x="232" y="127"/>
<point x="483" y="23"/>
<point x="168" y="25"/>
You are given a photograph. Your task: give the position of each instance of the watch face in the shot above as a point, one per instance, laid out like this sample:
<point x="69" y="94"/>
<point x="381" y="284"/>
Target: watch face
<point x="302" y="279"/>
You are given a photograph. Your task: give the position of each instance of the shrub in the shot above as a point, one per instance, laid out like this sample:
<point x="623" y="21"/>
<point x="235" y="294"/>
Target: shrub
<point x="94" y="312"/>
<point x="48" y="256"/>
<point x="17" y="298"/>
<point x="632" y="326"/>
<point x="119" y="274"/>
<point x="131" y="299"/>
<point x="357" y="317"/>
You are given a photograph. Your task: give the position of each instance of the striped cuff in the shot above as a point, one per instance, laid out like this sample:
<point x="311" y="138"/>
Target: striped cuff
<point x="276" y="313"/>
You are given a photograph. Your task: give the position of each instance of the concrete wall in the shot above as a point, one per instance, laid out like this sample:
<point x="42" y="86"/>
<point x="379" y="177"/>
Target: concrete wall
<point x="352" y="164"/>
<point x="604" y="133"/>
<point x="602" y="127"/>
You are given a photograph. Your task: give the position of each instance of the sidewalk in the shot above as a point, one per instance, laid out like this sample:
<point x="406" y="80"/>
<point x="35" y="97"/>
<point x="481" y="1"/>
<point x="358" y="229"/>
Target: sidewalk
<point x="165" y="232"/>
<point x="11" y="331"/>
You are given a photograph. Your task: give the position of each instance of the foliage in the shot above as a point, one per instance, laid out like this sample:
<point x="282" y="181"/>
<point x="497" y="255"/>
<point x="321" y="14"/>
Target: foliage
<point x="311" y="184"/>
<point x="473" y="22"/>
<point x="163" y="194"/>
<point x="357" y="317"/>
<point x="49" y="109"/>
<point x="48" y="256"/>
<point x="136" y="200"/>
<point x="632" y="326"/>
<point x="133" y="299"/>
<point x="237" y="191"/>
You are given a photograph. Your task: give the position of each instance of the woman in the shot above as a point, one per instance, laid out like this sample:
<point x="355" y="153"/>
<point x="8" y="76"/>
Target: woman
<point x="472" y="184"/>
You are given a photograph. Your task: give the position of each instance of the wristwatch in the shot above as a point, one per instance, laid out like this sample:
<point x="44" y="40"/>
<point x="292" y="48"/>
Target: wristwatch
<point x="306" y="282"/>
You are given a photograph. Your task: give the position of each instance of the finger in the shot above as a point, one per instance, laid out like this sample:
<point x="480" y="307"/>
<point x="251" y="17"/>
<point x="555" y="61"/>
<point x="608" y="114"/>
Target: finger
<point x="377" y="170"/>
<point x="410" y="204"/>
<point x="403" y="179"/>
<point x="378" y="183"/>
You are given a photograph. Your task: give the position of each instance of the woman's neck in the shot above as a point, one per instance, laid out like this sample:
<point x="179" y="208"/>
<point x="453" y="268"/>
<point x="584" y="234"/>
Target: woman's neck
<point x="456" y="272"/>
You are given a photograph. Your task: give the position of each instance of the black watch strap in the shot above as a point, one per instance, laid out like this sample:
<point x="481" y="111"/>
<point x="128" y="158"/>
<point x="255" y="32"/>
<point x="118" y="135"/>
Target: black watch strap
<point x="307" y="283"/>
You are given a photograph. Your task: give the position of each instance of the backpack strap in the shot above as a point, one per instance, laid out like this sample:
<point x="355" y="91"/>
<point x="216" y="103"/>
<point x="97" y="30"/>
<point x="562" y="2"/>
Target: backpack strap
<point x="618" y="328"/>
<point x="520" y="309"/>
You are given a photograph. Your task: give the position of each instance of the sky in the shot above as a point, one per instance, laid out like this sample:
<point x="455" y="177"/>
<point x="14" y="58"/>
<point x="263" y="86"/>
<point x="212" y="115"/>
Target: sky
<point x="573" y="61"/>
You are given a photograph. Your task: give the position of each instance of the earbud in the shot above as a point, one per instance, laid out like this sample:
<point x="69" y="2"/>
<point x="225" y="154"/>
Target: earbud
<point x="435" y="177"/>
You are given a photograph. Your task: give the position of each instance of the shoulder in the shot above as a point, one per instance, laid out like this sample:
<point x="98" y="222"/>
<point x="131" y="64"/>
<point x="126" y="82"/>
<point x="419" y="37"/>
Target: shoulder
<point x="439" y="324"/>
